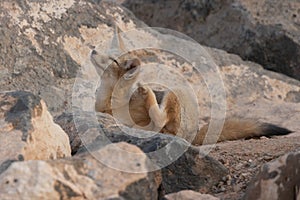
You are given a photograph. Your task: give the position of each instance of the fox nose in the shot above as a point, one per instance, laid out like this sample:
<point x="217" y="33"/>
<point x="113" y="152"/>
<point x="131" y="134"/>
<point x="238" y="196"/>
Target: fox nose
<point x="94" y="52"/>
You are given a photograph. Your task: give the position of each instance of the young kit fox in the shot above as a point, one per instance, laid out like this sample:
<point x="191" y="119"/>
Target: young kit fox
<point x="156" y="110"/>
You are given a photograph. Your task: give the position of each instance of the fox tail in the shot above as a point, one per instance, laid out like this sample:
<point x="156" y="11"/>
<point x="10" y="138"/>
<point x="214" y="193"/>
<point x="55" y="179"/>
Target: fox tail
<point x="235" y="129"/>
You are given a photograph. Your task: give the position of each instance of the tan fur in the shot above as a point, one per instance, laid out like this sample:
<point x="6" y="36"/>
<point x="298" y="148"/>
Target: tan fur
<point x="233" y="129"/>
<point x="145" y="111"/>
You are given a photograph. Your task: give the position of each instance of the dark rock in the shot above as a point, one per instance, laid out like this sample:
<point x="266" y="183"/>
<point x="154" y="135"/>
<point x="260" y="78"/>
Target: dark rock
<point x="65" y="120"/>
<point x="279" y="179"/>
<point x="182" y="166"/>
<point x="266" y="32"/>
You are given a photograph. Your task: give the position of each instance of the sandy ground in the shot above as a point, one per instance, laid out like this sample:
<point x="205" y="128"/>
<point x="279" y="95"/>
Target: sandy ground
<point x="244" y="158"/>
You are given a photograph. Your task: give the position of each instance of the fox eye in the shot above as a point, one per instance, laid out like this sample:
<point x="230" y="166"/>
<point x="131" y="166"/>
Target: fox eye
<point x="132" y="67"/>
<point x="132" y="63"/>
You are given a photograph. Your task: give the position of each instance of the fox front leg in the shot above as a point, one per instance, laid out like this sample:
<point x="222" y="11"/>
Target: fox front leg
<point x="157" y="114"/>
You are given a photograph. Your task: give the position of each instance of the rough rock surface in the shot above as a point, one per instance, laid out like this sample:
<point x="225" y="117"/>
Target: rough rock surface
<point x="266" y="32"/>
<point x="39" y="40"/>
<point x="253" y="92"/>
<point x="80" y="177"/>
<point x="181" y="166"/>
<point x="279" y="179"/>
<point x="189" y="195"/>
<point x="27" y="130"/>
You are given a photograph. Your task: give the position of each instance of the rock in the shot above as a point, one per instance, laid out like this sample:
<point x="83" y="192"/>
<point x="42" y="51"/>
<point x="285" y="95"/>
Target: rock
<point x="182" y="167"/>
<point x="27" y="130"/>
<point x="65" y="121"/>
<point x="255" y="93"/>
<point x="189" y="195"/>
<point x="279" y="179"/>
<point x="233" y="153"/>
<point x="80" y="177"/>
<point x="256" y="30"/>
<point x="192" y="172"/>
<point x="48" y="41"/>
<point x="31" y="44"/>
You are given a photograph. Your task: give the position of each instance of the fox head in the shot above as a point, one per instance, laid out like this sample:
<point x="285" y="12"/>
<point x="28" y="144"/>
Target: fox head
<point x="112" y="70"/>
<point x="127" y="66"/>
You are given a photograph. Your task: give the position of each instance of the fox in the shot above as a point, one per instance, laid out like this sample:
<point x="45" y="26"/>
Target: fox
<point x="155" y="110"/>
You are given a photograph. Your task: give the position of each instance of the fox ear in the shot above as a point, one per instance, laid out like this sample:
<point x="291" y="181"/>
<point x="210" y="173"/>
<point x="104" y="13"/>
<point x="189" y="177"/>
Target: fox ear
<point x="132" y="68"/>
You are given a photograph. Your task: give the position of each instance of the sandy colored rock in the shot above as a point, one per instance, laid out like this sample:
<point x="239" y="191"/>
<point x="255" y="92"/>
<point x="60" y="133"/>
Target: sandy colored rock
<point x="48" y="41"/>
<point x="255" y="93"/>
<point x="189" y="195"/>
<point x="27" y="130"/>
<point x="80" y="177"/>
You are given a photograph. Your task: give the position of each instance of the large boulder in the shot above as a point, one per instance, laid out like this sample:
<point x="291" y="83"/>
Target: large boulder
<point x="255" y="93"/>
<point x="41" y="42"/>
<point x="69" y="33"/>
<point x="173" y="157"/>
<point x="266" y="32"/>
<point x="80" y="177"/>
<point x="27" y="130"/>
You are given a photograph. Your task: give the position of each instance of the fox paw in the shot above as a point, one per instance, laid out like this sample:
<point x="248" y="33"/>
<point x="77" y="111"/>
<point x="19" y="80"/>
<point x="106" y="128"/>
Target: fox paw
<point x="143" y="90"/>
